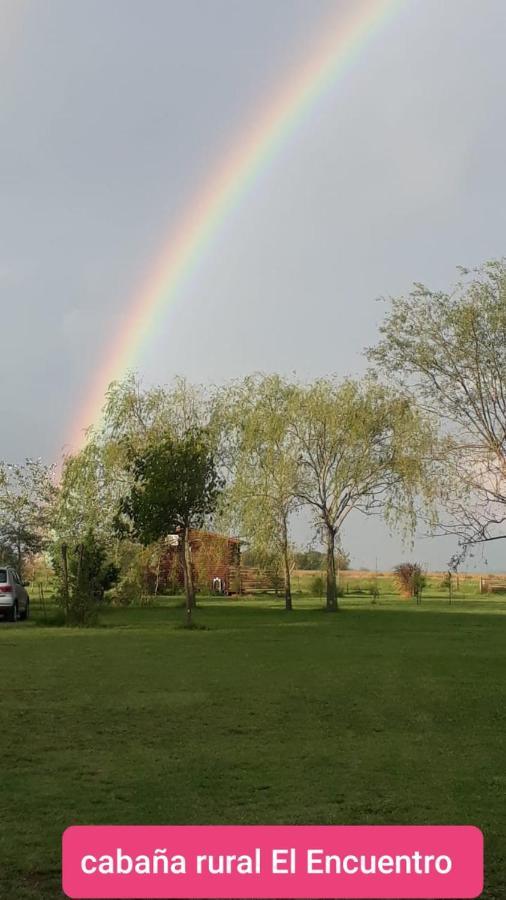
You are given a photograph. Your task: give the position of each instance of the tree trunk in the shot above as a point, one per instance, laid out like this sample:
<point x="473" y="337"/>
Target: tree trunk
<point x="65" y="569"/>
<point x="286" y="562"/>
<point x="188" y="578"/>
<point x="79" y="596"/>
<point x="331" y="570"/>
<point x="158" y="564"/>
<point x="19" y="560"/>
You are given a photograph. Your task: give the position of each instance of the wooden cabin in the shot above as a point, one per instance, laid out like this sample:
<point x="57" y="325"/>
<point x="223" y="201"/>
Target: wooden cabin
<point x="216" y="561"/>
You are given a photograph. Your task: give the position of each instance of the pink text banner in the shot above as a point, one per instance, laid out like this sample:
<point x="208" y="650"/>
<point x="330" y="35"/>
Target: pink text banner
<point x="272" y="861"/>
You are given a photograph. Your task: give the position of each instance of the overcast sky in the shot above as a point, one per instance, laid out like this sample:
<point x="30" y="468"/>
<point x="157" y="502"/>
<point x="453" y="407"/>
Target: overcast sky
<point x="113" y="112"/>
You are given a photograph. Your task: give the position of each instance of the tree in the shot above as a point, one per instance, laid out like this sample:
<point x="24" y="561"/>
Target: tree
<point x="262" y="461"/>
<point x="175" y="488"/>
<point x="360" y="447"/>
<point x="448" y="351"/>
<point x="311" y="559"/>
<point x="84" y="573"/>
<point x="94" y="480"/>
<point x="447" y="584"/>
<point x="134" y="415"/>
<point x="90" y="487"/>
<point x="27" y="494"/>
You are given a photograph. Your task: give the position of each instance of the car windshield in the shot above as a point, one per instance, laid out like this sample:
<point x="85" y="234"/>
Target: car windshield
<point x="3" y="576"/>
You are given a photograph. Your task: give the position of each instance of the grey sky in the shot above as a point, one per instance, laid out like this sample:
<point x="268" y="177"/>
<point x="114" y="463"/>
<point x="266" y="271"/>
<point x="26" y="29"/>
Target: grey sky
<point x="112" y="113"/>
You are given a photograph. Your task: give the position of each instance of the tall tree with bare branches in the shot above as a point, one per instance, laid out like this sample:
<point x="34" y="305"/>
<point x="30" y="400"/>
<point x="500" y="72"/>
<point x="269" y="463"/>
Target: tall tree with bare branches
<point x="448" y="352"/>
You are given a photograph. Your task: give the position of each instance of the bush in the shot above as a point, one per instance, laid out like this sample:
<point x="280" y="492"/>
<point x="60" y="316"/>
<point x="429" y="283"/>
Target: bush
<point x="372" y="588"/>
<point x="312" y="560"/>
<point x="128" y="590"/>
<point x="317" y="586"/>
<point x="410" y="579"/>
<point x="446" y="582"/>
<point x="138" y="579"/>
<point x="83" y="576"/>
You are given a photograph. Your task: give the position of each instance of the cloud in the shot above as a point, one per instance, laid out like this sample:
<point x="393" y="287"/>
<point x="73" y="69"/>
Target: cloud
<point x="6" y="272"/>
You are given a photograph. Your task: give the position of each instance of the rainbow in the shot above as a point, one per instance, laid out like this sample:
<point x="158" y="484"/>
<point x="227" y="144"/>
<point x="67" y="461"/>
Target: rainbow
<point x="340" y="44"/>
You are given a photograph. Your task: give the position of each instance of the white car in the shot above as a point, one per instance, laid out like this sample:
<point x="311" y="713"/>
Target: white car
<point x="14" y="600"/>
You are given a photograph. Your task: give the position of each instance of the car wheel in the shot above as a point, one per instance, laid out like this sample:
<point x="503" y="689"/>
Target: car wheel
<point x="13" y="613"/>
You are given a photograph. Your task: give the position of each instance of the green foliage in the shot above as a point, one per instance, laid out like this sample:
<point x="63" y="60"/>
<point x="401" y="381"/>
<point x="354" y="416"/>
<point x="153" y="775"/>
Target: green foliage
<point x="156" y="465"/>
<point x="373" y="589"/>
<point x="94" y="480"/>
<point x="360" y="447"/>
<point x="27" y="495"/>
<point x="251" y="557"/>
<point x="134" y="417"/>
<point x="90" y="486"/>
<point x="140" y="570"/>
<point x="448" y="351"/>
<point x="317" y="586"/>
<point x="410" y="579"/>
<point x="175" y="486"/>
<point x="261" y="455"/>
<point x="8" y="555"/>
<point x="311" y="559"/>
<point x="132" y="582"/>
<point x="84" y="574"/>
<point x="129" y="589"/>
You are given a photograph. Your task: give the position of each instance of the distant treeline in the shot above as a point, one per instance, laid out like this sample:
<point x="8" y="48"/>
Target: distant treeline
<point x="307" y="559"/>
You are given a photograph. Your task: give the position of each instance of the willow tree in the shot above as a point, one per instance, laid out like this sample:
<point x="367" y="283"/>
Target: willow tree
<point x="134" y="415"/>
<point x="89" y="489"/>
<point x="360" y="447"/>
<point x="261" y="458"/>
<point x="447" y="350"/>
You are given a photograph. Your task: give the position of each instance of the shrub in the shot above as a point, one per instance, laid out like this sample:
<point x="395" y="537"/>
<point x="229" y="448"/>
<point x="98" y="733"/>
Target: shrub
<point x="83" y="576"/>
<point x="127" y="591"/>
<point x="446" y="582"/>
<point x="317" y="586"/>
<point x="372" y="588"/>
<point x="410" y="579"/>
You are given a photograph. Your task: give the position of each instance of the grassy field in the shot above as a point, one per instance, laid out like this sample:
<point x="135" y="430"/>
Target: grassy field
<point x="379" y="714"/>
<point x="358" y="581"/>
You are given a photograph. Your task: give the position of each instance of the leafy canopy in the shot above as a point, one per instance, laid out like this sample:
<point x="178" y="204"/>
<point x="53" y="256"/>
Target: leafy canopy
<point x="27" y="495"/>
<point x="261" y="459"/>
<point x="361" y="446"/>
<point x="175" y="486"/>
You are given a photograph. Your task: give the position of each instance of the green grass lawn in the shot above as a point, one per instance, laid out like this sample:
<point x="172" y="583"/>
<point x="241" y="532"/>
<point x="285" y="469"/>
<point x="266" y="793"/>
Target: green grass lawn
<point x="384" y="714"/>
